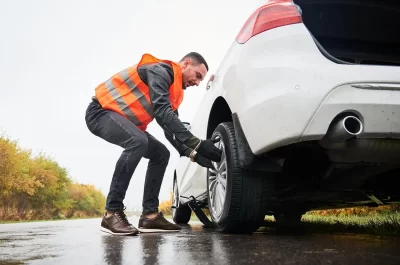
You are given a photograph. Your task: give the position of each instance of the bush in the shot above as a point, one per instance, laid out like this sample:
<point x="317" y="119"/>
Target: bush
<point x="39" y="188"/>
<point x="165" y="206"/>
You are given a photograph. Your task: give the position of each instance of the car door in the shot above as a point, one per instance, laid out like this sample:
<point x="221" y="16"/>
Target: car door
<point x="191" y="177"/>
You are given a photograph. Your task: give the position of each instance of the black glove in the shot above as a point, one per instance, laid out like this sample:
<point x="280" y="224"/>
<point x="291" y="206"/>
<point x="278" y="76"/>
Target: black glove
<point x="199" y="159"/>
<point x="209" y="150"/>
<point x="202" y="161"/>
<point x="206" y="148"/>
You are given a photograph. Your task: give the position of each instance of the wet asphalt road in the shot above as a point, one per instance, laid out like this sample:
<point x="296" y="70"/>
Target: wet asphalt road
<point x="81" y="242"/>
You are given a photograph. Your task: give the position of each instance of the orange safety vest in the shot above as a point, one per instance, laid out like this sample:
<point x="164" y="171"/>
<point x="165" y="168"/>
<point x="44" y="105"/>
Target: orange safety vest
<point x="126" y="94"/>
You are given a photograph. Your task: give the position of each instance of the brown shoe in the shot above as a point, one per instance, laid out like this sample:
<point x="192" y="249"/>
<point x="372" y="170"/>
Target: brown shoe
<point x="117" y="224"/>
<point x="156" y="224"/>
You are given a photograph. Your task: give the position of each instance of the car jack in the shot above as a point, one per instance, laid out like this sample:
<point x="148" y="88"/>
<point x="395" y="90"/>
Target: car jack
<point x="193" y="204"/>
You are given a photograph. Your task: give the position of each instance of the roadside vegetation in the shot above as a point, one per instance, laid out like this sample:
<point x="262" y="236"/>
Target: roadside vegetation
<point x="165" y="206"/>
<point x="382" y="220"/>
<point x="38" y="188"/>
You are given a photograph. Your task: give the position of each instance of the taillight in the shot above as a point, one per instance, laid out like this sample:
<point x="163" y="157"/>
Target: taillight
<point x="275" y="13"/>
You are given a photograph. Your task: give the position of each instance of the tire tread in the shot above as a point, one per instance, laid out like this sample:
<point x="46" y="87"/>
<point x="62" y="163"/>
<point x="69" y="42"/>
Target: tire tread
<point x="248" y="198"/>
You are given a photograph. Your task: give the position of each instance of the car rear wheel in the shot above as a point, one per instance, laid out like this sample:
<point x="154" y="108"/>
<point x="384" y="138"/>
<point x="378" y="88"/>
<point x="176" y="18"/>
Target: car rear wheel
<point x="180" y="213"/>
<point x="235" y="195"/>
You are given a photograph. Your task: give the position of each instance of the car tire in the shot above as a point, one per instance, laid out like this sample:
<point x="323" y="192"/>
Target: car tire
<point x="180" y="213"/>
<point x="243" y="209"/>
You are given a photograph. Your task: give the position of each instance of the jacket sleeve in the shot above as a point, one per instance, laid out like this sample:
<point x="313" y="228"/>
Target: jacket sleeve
<point x="181" y="148"/>
<point x="158" y="78"/>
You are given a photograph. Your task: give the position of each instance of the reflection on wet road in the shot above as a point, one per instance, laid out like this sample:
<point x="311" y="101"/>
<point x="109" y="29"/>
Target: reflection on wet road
<point x="81" y="242"/>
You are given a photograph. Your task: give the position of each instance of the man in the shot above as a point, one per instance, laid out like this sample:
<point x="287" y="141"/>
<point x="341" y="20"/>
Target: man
<point x="119" y="113"/>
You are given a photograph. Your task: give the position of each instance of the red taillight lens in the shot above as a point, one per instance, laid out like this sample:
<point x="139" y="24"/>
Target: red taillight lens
<point x="276" y="13"/>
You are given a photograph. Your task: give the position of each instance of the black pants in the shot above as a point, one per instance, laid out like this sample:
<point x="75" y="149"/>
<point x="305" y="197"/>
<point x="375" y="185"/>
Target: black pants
<point x="118" y="130"/>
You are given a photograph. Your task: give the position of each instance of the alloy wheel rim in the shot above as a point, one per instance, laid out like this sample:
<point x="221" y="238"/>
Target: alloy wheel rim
<point x="217" y="182"/>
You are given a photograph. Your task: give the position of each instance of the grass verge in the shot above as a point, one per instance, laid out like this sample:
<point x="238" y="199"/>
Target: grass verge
<point x="380" y="224"/>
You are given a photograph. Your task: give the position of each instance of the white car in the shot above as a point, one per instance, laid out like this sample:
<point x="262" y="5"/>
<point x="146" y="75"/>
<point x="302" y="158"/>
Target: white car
<point x="307" y="105"/>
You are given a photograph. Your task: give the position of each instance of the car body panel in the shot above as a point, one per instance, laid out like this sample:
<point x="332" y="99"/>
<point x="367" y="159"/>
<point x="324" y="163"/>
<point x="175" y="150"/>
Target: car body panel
<point x="267" y="81"/>
<point x="276" y="90"/>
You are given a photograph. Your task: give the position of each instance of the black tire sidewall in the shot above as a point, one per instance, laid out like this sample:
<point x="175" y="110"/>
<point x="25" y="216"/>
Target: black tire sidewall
<point x="181" y="214"/>
<point x="173" y="211"/>
<point x="225" y="136"/>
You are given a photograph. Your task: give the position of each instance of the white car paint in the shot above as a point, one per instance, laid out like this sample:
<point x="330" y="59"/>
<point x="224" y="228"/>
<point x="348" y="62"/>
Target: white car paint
<point x="285" y="91"/>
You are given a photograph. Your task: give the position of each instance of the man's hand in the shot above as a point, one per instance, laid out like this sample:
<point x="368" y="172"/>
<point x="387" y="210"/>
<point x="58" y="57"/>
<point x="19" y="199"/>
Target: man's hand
<point x="206" y="148"/>
<point x="198" y="158"/>
<point x="209" y="150"/>
<point x="202" y="161"/>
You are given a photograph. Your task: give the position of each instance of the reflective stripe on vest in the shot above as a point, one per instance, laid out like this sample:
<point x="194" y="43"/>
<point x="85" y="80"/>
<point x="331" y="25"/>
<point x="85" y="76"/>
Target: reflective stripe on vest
<point x="126" y="93"/>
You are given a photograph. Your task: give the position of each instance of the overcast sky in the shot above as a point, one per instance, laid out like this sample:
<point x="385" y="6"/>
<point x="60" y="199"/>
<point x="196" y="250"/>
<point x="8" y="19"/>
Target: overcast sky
<point x="54" y="53"/>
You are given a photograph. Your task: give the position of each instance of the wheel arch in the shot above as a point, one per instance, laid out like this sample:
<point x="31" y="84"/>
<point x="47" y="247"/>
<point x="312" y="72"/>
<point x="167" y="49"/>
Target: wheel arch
<point x="220" y="112"/>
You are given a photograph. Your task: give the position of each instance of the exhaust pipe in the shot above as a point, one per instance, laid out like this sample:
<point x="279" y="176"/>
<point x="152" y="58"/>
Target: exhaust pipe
<point x="339" y="150"/>
<point x="342" y="130"/>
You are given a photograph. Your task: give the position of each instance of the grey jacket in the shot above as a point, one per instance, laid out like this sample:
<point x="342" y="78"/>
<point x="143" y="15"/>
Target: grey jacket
<point x="159" y="77"/>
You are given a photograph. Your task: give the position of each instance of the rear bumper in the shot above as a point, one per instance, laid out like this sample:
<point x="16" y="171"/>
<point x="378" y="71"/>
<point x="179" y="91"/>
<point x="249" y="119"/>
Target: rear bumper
<point x="378" y="110"/>
<point x="266" y="127"/>
<point x="290" y="92"/>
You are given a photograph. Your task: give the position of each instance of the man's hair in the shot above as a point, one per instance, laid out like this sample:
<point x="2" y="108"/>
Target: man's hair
<point x="197" y="58"/>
